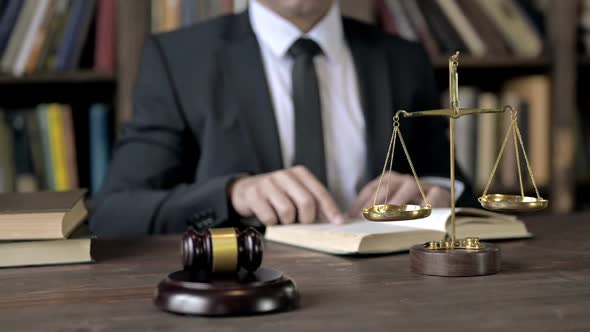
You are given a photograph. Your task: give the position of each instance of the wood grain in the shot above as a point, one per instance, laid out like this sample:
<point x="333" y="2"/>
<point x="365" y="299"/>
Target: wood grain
<point x="544" y="286"/>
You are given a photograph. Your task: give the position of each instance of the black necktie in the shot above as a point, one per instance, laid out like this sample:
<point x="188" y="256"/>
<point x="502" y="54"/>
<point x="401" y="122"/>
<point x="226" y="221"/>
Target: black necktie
<point x="309" y="138"/>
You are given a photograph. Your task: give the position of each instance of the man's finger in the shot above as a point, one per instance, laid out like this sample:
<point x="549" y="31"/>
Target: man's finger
<point x="261" y="207"/>
<point x="405" y="193"/>
<point x="366" y="195"/>
<point x="299" y="194"/>
<point x="325" y="203"/>
<point x="280" y="202"/>
<point x="438" y="197"/>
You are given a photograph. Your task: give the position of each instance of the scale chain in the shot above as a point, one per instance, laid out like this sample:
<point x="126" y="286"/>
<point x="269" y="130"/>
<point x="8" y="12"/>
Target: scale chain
<point x="391" y="142"/>
<point x="401" y="139"/>
<point x="389" y="159"/>
<point x="485" y="191"/>
<point x="528" y="166"/>
<point x="514" y="126"/>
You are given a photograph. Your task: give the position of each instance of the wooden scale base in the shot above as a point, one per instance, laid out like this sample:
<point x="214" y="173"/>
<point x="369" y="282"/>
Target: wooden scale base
<point x="260" y="292"/>
<point x="455" y="262"/>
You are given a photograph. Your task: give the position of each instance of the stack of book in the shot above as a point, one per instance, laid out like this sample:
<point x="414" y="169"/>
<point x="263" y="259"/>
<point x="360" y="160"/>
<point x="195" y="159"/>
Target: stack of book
<point x="50" y="35"/>
<point x="172" y="14"/>
<point x="477" y="27"/>
<point x="43" y="228"/>
<point x="479" y="137"/>
<point x="39" y="148"/>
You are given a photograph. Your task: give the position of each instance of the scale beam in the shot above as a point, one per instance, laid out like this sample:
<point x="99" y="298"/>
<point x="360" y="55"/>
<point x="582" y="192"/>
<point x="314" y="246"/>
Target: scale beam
<point x="449" y="113"/>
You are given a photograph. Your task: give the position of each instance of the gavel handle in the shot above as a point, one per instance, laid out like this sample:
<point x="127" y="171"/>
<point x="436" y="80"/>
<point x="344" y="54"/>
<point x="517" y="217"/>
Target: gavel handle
<point x="252" y="222"/>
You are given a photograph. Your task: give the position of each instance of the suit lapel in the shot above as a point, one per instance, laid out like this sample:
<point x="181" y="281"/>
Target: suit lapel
<point x="372" y="68"/>
<point x="244" y="72"/>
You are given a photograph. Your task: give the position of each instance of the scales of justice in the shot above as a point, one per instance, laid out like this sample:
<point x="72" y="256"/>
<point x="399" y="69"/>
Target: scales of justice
<point x="455" y="257"/>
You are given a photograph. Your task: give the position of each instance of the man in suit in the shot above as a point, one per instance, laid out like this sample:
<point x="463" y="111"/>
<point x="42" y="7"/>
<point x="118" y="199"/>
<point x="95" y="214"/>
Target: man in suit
<point x="283" y="113"/>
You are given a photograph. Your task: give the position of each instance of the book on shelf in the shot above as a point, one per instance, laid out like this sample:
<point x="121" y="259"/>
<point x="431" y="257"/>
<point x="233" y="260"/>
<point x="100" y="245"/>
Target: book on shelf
<point x="73" y="250"/>
<point x="480" y="28"/>
<point x="535" y="91"/>
<point x="41" y="149"/>
<point x="515" y="25"/>
<point x="74" y="34"/>
<point x="41" y="215"/>
<point x="479" y="137"/>
<point x="487" y="140"/>
<point x="51" y="35"/>
<point x="365" y="237"/>
<point x="167" y="15"/>
<point x="8" y="20"/>
<point x="104" y="52"/>
<point x="100" y="147"/>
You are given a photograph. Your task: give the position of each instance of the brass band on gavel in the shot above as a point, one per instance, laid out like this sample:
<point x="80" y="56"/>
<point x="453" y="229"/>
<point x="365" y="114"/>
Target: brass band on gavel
<point x="221" y="250"/>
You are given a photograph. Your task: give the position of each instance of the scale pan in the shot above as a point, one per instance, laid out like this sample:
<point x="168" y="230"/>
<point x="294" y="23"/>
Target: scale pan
<point x="389" y="212"/>
<point x="512" y="203"/>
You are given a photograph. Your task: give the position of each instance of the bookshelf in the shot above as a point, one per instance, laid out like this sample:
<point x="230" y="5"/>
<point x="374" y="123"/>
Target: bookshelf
<point x="560" y="61"/>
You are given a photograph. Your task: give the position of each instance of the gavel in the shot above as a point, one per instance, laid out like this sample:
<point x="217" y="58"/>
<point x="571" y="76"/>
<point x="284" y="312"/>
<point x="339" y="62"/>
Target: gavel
<point x="221" y="250"/>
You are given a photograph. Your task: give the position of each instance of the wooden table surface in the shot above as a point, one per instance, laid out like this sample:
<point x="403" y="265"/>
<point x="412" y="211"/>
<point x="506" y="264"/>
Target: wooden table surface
<point x="545" y="285"/>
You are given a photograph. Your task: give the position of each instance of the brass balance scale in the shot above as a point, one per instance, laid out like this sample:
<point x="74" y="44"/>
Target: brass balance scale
<point x="453" y="257"/>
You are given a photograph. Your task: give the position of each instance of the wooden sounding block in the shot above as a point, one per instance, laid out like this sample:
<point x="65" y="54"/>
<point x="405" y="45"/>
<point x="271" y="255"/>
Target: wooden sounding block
<point x="457" y="261"/>
<point x="221" y="277"/>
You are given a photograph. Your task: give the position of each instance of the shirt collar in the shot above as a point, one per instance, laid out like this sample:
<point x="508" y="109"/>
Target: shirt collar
<point x="279" y="34"/>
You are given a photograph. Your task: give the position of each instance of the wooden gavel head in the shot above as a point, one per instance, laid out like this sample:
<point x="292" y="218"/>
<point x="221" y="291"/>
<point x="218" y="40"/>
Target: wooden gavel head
<point x="221" y="250"/>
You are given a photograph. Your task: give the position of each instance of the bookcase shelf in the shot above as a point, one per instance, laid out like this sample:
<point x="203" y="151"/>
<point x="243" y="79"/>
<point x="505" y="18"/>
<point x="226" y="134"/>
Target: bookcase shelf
<point x="78" y="77"/>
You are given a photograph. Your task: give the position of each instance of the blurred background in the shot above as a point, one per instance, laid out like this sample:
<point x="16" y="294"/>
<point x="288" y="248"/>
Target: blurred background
<point x="68" y="68"/>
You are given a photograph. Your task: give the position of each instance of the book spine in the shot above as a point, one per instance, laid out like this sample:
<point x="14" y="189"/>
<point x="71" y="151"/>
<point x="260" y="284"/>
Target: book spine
<point x="17" y="37"/>
<point x="485" y="27"/>
<point x="99" y="145"/>
<point x="421" y="27"/>
<point x="70" y="147"/>
<point x="41" y="38"/>
<point x="447" y="37"/>
<point x="48" y="58"/>
<point x="406" y="30"/>
<point x="25" y="178"/>
<point x="8" y="21"/>
<point x="42" y="112"/>
<point x="487" y="139"/>
<point x="463" y="27"/>
<point x="34" y="134"/>
<point x="7" y="172"/>
<point x="56" y="134"/>
<point x="104" y="55"/>
<point x="75" y="32"/>
<point x="170" y="19"/>
<point x="27" y="45"/>
<point x="514" y="26"/>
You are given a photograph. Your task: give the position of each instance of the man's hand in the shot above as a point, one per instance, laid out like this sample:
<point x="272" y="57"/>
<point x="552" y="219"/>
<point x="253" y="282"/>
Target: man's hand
<point x="402" y="190"/>
<point x="284" y="196"/>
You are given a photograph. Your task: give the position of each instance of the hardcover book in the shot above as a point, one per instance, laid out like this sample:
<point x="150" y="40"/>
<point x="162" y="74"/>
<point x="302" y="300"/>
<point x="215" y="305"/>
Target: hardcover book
<point x="41" y="215"/>
<point x="365" y="237"/>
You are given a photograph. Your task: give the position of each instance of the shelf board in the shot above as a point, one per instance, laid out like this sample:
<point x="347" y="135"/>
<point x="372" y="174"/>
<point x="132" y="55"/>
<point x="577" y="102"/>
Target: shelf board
<point x="69" y="77"/>
<point x="442" y="62"/>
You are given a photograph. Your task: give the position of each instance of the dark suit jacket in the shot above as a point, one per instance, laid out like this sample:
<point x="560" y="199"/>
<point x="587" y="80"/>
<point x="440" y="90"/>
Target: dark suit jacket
<point x="203" y="115"/>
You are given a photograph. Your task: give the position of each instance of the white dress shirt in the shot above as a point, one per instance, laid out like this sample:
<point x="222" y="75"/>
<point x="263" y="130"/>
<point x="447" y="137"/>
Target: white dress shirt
<point x="342" y="117"/>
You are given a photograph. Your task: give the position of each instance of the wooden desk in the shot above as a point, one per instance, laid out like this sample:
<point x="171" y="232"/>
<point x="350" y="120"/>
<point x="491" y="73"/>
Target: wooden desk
<point x="545" y="284"/>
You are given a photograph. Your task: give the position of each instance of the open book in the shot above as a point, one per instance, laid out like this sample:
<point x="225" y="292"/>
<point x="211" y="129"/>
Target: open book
<point x="364" y="237"/>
